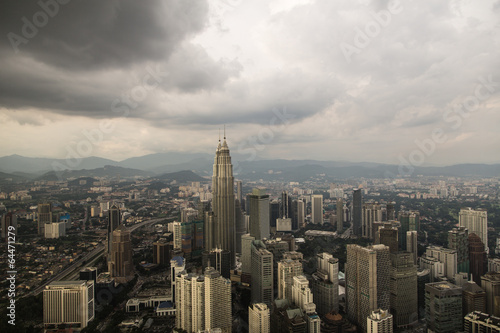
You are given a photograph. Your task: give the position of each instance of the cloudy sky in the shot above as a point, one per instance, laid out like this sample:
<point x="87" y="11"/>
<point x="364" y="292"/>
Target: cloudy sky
<point x="366" y="80"/>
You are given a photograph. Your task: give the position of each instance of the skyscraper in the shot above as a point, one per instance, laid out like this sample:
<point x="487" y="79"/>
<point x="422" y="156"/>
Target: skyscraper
<point x="223" y="201"/>
<point x="367" y="277"/>
<point x="458" y="239"/>
<point x="412" y="244"/>
<point x="120" y="265"/>
<point x="410" y="221"/>
<point x="357" y="202"/>
<point x="379" y="321"/>
<point x="217" y="301"/>
<point x="9" y="220"/>
<point x="490" y="282"/>
<point x="477" y="258"/>
<point x="262" y="274"/>
<point x="220" y="260"/>
<point x="114" y="220"/>
<point x="404" y="298"/>
<point x="325" y="284"/>
<point x="340" y="215"/>
<point x="161" y="252"/>
<point x="287" y="269"/>
<point x="371" y="213"/>
<point x="69" y="303"/>
<point x="44" y="216"/>
<point x="258" y="318"/>
<point x="474" y="298"/>
<point x="259" y="214"/>
<point x="317" y="209"/>
<point x="443" y="307"/>
<point x="476" y="221"/>
<point x="302" y="295"/>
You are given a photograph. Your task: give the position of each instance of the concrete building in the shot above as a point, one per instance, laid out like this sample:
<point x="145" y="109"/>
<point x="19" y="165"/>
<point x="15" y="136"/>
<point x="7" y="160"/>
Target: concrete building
<point x="259" y="215"/>
<point x="287" y="269"/>
<point x="476" y="322"/>
<point x="302" y="295"/>
<point x="120" y="265"/>
<point x="259" y="318"/>
<point x="325" y="284"/>
<point x="161" y="252"/>
<point x="340" y="215"/>
<point x="370" y="213"/>
<point x="476" y="221"/>
<point x="114" y="220"/>
<point x="478" y="261"/>
<point x="68" y="303"/>
<point x="474" y="298"/>
<point x="262" y="274"/>
<point x="447" y="257"/>
<point x="412" y="245"/>
<point x="357" y="216"/>
<point x="490" y="282"/>
<point x="367" y="281"/>
<point x="379" y="321"/>
<point x="410" y="221"/>
<point x="317" y="209"/>
<point x="443" y="307"/>
<point x="458" y="239"/>
<point x="9" y="224"/>
<point x="220" y="260"/>
<point x="55" y="230"/>
<point x="404" y="290"/>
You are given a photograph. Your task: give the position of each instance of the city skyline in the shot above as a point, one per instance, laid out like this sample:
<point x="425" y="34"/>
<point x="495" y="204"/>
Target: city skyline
<point x="361" y="81"/>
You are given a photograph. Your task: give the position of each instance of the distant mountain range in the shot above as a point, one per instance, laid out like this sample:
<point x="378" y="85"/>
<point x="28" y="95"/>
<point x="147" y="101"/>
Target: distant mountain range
<point x="17" y="168"/>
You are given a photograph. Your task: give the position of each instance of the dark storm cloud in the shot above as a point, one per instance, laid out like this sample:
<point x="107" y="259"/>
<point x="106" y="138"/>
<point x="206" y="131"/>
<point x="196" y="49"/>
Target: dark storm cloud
<point x="94" y="34"/>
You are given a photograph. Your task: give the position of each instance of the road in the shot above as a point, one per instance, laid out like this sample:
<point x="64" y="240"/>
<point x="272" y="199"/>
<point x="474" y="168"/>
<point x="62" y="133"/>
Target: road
<point x="98" y="251"/>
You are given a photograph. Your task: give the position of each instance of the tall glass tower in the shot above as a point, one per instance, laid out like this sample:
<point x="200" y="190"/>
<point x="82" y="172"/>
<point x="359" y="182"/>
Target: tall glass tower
<point x="222" y="232"/>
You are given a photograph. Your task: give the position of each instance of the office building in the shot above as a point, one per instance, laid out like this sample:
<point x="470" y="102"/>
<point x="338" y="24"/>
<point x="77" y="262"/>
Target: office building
<point x="447" y="257"/>
<point x="274" y="213"/>
<point x="388" y="235"/>
<point x="404" y="290"/>
<point x="443" y="307"/>
<point x="177" y="265"/>
<point x="259" y="215"/>
<point x="44" y="216"/>
<point x="120" y="265"/>
<point x="203" y="302"/>
<point x="317" y="209"/>
<point x="223" y="230"/>
<point x="379" y="321"/>
<point x="241" y="226"/>
<point x="246" y="253"/>
<point x="476" y="221"/>
<point x="287" y="269"/>
<point x="493" y="265"/>
<point x="478" y="322"/>
<point x="490" y="282"/>
<point x="370" y="213"/>
<point x="412" y="244"/>
<point x="301" y="213"/>
<point x="302" y="295"/>
<point x="410" y="221"/>
<point x="161" y="252"/>
<point x="9" y="224"/>
<point x="68" y="304"/>
<point x="114" y="220"/>
<point x="89" y="273"/>
<point x="55" y="230"/>
<point x="478" y="261"/>
<point x="458" y="239"/>
<point x="262" y="276"/>
<point x="220" y="260"/>
<point x="474" y="298"/>
<point x="423" y="277"/>
<point x="357" y="202"/>
<point x="340" y="215"/>
<point x="259" y="318"/>
<point x="367" y="279"/>
<point x="325" y="284"/>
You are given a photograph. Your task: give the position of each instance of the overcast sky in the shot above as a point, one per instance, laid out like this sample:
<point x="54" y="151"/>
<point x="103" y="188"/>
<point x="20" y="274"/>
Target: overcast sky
<point x="295" y="79"/>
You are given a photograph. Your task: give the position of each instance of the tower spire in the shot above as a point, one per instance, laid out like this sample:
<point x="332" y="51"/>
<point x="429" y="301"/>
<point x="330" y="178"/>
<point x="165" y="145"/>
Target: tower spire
<point x="224" y="131"/>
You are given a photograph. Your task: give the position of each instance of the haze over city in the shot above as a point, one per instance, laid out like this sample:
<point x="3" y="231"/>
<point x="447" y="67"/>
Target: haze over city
<point x="327" y="80"/>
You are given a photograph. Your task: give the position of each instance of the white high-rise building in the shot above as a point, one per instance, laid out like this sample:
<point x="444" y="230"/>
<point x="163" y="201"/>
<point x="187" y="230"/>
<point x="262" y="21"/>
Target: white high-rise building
<point x="412" y="244"/>
<point x="55" y="230"/>
<point x="203" y="302"/>
<point x="317" y="209"/>
<point x="325" y="284"/>
<point x="69" y="303"/>
<point x="379" y="321"/>
<point x="302" y="295"/>
<point x="177" y="235"/>
<point x="287" y="269"/>
<point x="258" y="318"/>
<point x="476" y="221"/>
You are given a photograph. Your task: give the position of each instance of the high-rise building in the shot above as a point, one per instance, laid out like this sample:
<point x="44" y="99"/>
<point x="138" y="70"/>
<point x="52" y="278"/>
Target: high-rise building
<point x="120" y="265"/>
<point x="161" y="252"/>
<point x="285" y="205"/>
<point x="325" y="284"/>
<point x="447" y="257"/>
<point x="391" y="212"/>
<point x="241" y="227"/>
<point x="274" y="214"/>
<point x="367" y="281"/>
<point x="239" y="191"/>
<point x="477" y="321"/>
<point x="9" y="224"/>
<point x="223" y="230"/>
<point x="443" y="307"/>
<point x="203" y="302"/>
<point x="490" y="282"/>
<point x="262" y="274"/>
<point x="478" y="261"/>
<point x="388" y="235"/>
<point x="357" y="216"/>
<point x="177" y="235"/>
<point x="412" y="244"/>
<point x="114" y="220"/>
<point x="302" y="295"/>
<point x="474" y="298"/>
<point x="246" y="253"/>
<point x="458" y="239"/>
<point x="89" y="273"/>
<point x="423" y="277"/>
<point x="220" y="260"/>
<point x="44" y="216"/>
<point x="476" y="221"/>
<point x="340" y="215"/>
<point x="287" y="269"/>
<point x="317" y="209"/>
<point x="410" y="221"/>
<point x="301" y="213"/>
<point x="68" y="304"/>
<point x="55" y="230"/>
<point x="258" y="318"/>
<point x="404" y="290"/>
<point x="379" y="321"/>
<point x="370" y="213"/>
<point x="259" y="215"/>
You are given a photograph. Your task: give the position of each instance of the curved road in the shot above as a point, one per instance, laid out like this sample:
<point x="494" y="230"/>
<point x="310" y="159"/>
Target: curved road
<point x="99" y="251"/>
